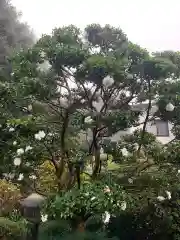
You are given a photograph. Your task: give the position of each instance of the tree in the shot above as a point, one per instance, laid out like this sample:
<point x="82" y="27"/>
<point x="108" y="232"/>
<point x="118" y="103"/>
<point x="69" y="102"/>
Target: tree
<point x="82" y="83"/>
<point x="64" y="95"/>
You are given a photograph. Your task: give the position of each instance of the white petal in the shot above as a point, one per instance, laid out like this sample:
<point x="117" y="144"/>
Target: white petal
<point x="17" y="161"/>
<point x="28" y="148"/>
<point x="168" y="194"/>
<point x="169" y="107"/>
<point x="14" y="143"/>
<point x="106" y="217"/>
<point x="123" y="206"/>
<point x="160" y="198"/>
<point x="11" y="129"/>
<point x="20" y="151"/>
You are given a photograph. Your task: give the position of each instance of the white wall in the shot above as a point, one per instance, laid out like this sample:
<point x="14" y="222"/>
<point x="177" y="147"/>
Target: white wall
<point x="150" y="128"/>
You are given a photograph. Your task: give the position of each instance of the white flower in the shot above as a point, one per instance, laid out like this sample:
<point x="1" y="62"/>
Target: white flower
<point x="168" y="194"/>
<point x="42" y="54"/>
<point x="130" y="180"/>
<point x="169" y="107"/>
<point x="14" y="143"/>
<point x="0" y="125"/>
<point x="88" y="120"/>
<point x="11" y="129"/>
<point x="27" y="164"/>
<point x="33" y="177"/>
<point x="107" y="189"/>
<point x="106" y="217"/>
<point x="108" y="81"/>
<point x="17" y="161"/>
<point x="123" y="206"/>
<point x="20" y="151"/>
<point x="50" y="134"/>
<point x="9" y="175"/>
<point x="93" y="198"/>
<point x="136" y="146"/>
<point x="21" y="176"/>
<point x="28" y="148"/>
<point x="103" y="156"/>
<point x="29" y="107"/>
<point x="40" y="135"/>
<point x="12" y="74"/>
<point x="124" y="151"/>
<point x="178" y="171"/>
<point x="160" y="198"/>
<point x="44" y="218"/>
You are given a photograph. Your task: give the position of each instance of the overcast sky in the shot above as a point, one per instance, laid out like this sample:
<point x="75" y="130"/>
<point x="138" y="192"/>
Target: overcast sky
<point x="154" y="24"/>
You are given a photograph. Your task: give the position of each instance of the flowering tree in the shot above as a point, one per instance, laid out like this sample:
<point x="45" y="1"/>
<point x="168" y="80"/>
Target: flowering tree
<point x="71" y="88"/>
<point x="69" y="92"/>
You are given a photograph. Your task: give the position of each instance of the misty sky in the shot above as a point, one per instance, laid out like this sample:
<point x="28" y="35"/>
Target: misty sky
<point x="154" y="24"/>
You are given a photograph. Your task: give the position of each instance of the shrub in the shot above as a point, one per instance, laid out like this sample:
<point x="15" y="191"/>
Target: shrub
<point x="9" y="196"/>
<point x="10" y="230"/>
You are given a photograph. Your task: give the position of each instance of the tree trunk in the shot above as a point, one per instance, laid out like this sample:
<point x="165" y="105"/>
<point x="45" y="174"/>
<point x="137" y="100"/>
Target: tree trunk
<point x="81" y="226"/>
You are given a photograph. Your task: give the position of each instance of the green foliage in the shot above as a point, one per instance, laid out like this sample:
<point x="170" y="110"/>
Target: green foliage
<point x="85" y="202"/>
<point x="149" y="218"/>
<point x="12" y="230"/>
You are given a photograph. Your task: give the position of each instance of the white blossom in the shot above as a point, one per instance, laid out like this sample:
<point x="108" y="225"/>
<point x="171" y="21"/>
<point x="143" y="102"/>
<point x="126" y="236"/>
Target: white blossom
<point x="136" y="146"/>
<point x="33" y="177"/>
<point x="14" y="143"/>
<point x="0" y="125"/>
<point x="21" y="177"/>
<point x="82" y="101"/>
<point x="160" y="198"/>
<point x="168" y="194"/>
<point x="29" y="107"/>
<point x="11" y="129"/>
<point x="108" y="81"/>
<point x="124" y="151"/>
<point x="27" y="164"/>
<point x="17" y="161"/>
<point x="50" y="134"/>
<point x="123" y="205"/>
<point x="103" y="156"/>
<point x="106" y="217"/>
<point x="42" y="54"/>
<point x="40" y="135"/>
<point x="20" y="151"/>
<point x="93" y="198"/>
<point x="107" y="189"/>
<point x="178" y="171"/>
<point x="169" y="107"/>
<point x="130" y="180"/>
<point x="88" y="120"/>
<point x="44" y="218"/>
<point x="9" y="175"/>
<point x="28" y="148"/>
